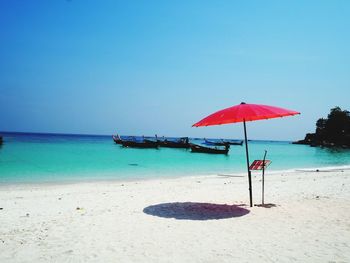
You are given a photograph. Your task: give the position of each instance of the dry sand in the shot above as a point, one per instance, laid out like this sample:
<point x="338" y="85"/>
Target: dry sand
<point x="197" y="219"/>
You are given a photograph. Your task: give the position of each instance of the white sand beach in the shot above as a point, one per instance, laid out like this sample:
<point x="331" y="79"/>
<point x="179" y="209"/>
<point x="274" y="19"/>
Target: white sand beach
<point x="197" y="219"/>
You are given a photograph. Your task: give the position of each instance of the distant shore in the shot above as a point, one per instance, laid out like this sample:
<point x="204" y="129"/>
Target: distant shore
<point x="188" y="219"/>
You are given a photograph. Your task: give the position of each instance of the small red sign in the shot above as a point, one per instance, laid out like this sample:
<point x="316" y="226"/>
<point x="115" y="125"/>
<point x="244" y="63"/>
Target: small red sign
<point x="259" y="164"/>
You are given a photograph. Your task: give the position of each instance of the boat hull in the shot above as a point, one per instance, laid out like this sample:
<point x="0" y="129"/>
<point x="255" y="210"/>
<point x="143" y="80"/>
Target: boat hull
<point x="224" y="143"/>
<point x="135" y="144"/>
<point x="170" y="144"/>
<point x="212" y="150"/>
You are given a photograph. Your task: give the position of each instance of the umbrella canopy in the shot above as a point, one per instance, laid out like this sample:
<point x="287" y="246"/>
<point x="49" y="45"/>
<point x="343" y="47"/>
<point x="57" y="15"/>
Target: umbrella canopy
<point x="242" y="113"/>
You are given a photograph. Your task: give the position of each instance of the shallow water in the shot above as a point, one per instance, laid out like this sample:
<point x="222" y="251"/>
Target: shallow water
<point x="51" y="158"/>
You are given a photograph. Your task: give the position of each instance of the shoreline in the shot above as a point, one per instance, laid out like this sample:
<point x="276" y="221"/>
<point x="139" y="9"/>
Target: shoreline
<point x="171" y="177"/>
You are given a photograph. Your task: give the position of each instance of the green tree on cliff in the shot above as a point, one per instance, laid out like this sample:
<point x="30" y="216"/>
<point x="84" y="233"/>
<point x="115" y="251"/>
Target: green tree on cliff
<point x="332" y="131"/>
<point x="335" y="129"/>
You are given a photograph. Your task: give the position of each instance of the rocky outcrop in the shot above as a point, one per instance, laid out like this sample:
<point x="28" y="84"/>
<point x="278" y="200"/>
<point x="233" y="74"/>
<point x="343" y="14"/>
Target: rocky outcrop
<point x="331" y="132"/>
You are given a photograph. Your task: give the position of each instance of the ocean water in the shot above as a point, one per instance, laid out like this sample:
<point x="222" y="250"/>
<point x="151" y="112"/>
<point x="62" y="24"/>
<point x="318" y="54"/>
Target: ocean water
<point x="57" y="158"/>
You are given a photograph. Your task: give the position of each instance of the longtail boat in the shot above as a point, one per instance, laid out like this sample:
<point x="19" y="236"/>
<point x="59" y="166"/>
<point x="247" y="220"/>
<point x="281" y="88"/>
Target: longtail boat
<point x="210" y="149"/>
<point x="223" y="142"/>
<point x="233" y="142"/>
<point x="178" y="143"/>
<point x="139" y="144"/>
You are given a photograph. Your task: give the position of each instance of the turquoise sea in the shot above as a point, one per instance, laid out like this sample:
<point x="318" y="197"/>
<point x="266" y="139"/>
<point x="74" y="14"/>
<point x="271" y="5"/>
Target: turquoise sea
<point x="26" y="157"/>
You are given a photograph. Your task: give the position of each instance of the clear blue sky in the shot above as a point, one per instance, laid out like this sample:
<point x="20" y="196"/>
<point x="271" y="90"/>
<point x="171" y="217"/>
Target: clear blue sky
<point x="146" y="67"/>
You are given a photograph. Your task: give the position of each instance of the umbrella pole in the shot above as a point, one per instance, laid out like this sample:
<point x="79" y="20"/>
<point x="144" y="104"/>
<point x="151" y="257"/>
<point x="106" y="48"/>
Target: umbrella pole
<point x="249" y="173"/>
<point x="263" y="177"/>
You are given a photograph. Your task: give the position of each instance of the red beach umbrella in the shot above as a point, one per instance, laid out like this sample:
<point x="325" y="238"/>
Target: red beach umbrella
<point x="242" y="113"/>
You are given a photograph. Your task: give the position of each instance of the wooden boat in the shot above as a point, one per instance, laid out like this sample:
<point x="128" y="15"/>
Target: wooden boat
<point x="233" y="142"/>
<point x="117" y="139"/>
<point x="223" y="142"/>
<point x="179" y="143"/>
<point x="139" y="144"/>
<point x="210" y="149"/>
<point x="216" y="143"/>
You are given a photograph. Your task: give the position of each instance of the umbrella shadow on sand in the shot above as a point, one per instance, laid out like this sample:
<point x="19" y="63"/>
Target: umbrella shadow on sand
<point x="195" y="211"/>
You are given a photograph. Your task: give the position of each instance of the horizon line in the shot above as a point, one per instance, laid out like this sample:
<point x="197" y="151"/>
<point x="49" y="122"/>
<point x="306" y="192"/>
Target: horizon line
<point x="106" y="135"/>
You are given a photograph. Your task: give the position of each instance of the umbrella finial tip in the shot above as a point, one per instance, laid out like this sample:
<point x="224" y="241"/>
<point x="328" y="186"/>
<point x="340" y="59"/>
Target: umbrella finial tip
<point x="243" y="103"/>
